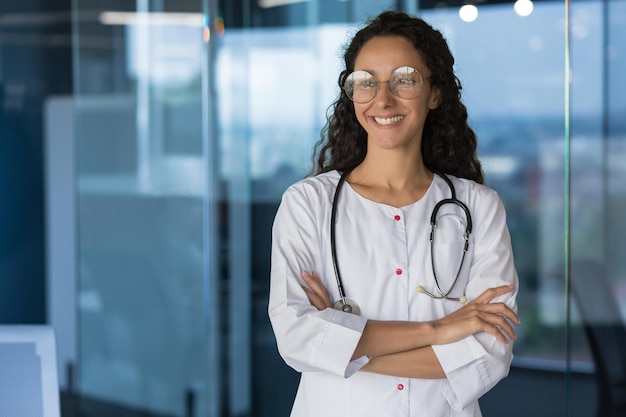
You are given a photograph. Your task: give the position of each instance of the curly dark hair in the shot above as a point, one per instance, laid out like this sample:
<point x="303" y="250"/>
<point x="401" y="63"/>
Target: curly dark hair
<point x="448" y="142"/>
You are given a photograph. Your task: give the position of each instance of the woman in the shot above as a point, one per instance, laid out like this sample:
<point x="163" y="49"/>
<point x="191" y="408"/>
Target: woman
<point x="435" y="326"/>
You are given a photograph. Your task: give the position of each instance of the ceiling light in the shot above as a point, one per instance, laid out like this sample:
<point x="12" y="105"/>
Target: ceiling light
<point x="152" y="18"/>
<point x="266" y="4"/>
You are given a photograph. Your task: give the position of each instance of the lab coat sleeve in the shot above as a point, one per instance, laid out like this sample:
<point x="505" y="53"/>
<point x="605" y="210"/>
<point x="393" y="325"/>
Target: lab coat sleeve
<point x="475" y="364"/>
<point x="307" y="339"/>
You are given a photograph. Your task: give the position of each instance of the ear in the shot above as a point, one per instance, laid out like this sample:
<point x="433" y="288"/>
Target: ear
<point x="435" y="98"/>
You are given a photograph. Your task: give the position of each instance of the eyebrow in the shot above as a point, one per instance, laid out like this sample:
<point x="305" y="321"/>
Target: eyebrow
<point x="366" y="70"/>
<point x="371" y="71"/>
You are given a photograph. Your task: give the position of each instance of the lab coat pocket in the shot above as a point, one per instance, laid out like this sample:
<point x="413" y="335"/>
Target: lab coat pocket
<point x="448" y="255"/>
<point x="447" y="259"/>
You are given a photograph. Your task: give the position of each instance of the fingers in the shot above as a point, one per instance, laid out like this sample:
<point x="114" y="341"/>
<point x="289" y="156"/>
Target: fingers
<point x="499" y="325"/>
<point x="481" y="315"/>
<point x="315" y="283"/>
<point x="316" y="290"/>
<point x="314" y="299"/>
<point x="497" y="333"/>
<point x="492" y="293"/>
<point x="500" y="314"/>
<point x="493" y="308"/>
<point x="502" y="310"/>
<point x="456" y="328"/>
<point x="497" y="317"/>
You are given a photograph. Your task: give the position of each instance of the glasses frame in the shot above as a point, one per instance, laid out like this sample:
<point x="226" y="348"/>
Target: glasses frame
<point x="378" y="83"/>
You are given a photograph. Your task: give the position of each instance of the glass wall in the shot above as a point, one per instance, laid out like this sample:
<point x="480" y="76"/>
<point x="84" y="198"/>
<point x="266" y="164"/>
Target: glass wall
<point x="148" y="252"/>
<point x="192" y="117"/>
<point x="596" y="147"/>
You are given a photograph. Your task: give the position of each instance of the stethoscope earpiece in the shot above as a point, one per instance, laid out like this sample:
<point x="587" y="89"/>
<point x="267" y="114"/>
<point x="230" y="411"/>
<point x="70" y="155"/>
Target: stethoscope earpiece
<point x="462" y="299"/>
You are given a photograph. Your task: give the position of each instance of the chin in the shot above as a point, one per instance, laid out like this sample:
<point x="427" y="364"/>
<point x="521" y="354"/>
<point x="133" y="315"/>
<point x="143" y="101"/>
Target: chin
<point x="390" y="143"/>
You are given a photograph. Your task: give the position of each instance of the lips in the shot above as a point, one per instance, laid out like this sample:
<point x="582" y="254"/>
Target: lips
<point x="388" y="120"/>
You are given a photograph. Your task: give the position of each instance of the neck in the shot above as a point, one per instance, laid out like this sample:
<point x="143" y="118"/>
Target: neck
<point x="391" y="169"/>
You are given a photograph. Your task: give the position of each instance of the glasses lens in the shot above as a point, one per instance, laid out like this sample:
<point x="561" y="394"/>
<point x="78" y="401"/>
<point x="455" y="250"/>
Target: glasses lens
<point x="406" y="82"/>
<point x="360" y="86"/>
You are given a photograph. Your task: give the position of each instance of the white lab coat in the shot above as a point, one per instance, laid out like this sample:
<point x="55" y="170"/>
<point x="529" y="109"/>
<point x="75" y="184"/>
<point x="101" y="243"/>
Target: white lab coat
<point x="384" y="255"/>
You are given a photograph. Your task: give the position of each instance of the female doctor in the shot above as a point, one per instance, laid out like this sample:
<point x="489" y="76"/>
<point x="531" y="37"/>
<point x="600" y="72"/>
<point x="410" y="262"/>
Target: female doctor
<point x="380" y="318"/>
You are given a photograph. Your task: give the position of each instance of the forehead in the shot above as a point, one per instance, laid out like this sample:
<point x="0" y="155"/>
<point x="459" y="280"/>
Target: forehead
<point x="383" y="54"/>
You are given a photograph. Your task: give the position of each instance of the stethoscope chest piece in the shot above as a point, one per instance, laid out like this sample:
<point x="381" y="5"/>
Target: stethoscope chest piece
<point x="347" y="306"/>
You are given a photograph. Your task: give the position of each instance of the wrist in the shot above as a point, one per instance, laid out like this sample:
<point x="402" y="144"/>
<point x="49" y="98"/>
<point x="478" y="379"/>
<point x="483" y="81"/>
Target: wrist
<point x="426" y="334"/>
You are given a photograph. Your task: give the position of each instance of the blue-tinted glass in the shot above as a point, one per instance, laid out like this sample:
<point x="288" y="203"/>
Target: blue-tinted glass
<point x="184" y="149"/>
<point x="145" y="207"/>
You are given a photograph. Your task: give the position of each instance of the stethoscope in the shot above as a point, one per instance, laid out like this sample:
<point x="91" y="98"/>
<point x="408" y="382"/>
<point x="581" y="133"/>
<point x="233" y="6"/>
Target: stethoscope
<point x="350" y="306"/>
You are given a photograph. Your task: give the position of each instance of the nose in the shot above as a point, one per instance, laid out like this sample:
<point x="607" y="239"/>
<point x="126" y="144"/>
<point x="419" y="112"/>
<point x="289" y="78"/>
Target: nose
<point x="384" y="96"/>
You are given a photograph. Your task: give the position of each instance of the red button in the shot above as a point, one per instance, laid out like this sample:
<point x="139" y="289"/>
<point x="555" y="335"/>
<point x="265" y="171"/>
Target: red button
<point x="396" y="218"/>
<point x="398" y="271"/>
<point x="400" y="387"/>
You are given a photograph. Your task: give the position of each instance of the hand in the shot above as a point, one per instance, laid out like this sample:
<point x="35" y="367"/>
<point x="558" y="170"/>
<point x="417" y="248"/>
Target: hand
<point x="317" y="293"/>
<point x="479" y="315"/>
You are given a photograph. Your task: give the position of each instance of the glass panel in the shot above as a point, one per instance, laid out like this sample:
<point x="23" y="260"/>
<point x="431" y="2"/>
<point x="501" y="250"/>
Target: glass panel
<point x="145" y="205"/>
<point x="152" y="167"/>
<point x="276" y="70"/>
<point x="513" y="87"/>
<point x="24" y="91"/>
<point x="598" y="147"/>
<point x="514" y="91"/>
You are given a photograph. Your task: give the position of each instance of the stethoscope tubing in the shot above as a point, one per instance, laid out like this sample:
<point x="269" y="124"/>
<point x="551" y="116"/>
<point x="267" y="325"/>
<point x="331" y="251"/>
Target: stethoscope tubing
<point x="466" y="235"/>
<point x="350" y="306"/>
<point x="333" y="246"/>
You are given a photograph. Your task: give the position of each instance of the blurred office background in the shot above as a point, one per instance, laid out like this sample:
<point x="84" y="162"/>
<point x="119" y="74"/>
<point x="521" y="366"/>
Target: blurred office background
<point x="144" y="147"/>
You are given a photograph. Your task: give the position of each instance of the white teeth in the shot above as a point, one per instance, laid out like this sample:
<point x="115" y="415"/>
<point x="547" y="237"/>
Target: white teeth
<point x="388" y="121"/>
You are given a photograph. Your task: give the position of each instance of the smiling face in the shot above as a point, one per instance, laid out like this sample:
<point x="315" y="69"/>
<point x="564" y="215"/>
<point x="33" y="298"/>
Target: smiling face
<point x="392" y="122"/>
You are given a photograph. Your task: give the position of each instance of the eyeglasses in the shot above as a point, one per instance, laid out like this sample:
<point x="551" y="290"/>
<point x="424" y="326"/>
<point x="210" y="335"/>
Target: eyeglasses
<point x="405" y="82"/>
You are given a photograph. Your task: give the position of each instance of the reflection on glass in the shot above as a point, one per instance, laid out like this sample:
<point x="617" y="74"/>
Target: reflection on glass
<point x="144" y="176"/>
<point x="142" y="218"/>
